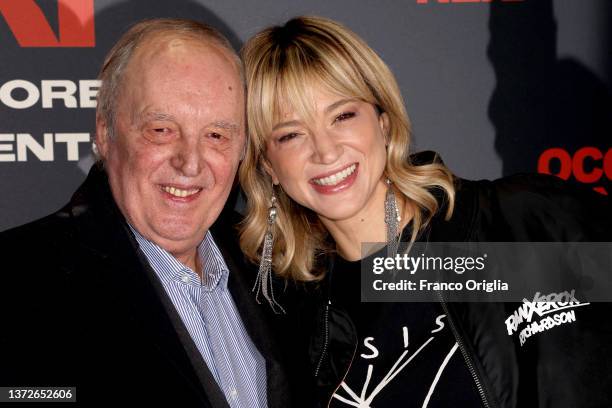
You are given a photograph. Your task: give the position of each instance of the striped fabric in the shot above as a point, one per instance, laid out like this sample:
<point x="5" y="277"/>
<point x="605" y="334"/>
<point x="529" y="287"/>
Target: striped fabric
<point x="209" y="314"/>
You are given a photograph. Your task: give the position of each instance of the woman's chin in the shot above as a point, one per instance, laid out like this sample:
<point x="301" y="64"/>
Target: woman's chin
<point x="341" y="206"/>
<point x="337" y="213"/>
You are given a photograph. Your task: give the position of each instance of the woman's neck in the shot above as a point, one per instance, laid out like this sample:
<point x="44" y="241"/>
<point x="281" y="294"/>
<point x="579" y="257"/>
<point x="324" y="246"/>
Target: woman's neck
<point x="366" y="226"/>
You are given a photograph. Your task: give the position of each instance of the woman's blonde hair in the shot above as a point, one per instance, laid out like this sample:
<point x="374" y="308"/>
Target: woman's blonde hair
<point x="282" y="65"/>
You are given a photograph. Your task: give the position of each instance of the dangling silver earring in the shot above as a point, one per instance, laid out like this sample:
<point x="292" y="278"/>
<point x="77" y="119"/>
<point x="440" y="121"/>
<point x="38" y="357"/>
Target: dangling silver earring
<point x="263" y="283"/>
<point x="392" y="220"/>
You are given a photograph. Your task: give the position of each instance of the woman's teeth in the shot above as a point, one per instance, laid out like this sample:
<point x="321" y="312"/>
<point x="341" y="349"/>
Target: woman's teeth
<point x="335" y="178"/>
<point x="177" y="192"/>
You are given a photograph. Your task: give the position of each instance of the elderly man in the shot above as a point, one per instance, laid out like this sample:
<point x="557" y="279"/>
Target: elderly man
<point x="130" y="293"/>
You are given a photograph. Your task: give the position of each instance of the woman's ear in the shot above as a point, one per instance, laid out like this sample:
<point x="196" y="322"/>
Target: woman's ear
<point x="383" y="122"/>
<point x="268" y="168"/>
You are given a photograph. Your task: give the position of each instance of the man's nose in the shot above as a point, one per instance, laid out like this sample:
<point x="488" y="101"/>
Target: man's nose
<point x="326" y="148"/>
<point x="187" y="156"/>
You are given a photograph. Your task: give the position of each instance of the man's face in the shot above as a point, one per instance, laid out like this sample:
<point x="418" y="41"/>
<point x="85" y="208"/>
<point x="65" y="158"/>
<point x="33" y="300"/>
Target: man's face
<point x="179" y="135"/>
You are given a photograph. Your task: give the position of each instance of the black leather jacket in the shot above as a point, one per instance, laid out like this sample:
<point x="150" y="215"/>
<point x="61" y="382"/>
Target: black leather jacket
<point x="567" y="366"/>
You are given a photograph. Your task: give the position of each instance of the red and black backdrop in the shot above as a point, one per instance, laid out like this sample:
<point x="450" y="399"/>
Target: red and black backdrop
<point x="497" y="87"/>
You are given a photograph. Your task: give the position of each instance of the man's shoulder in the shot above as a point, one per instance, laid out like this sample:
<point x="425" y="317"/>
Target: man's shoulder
<point x="53" y="228"/>
<point x="84" y="222"/>
<point x="49" y="229"/>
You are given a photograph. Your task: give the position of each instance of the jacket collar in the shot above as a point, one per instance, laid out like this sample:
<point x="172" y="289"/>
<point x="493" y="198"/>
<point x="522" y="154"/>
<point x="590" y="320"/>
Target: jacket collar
<point x="100" y="229"/>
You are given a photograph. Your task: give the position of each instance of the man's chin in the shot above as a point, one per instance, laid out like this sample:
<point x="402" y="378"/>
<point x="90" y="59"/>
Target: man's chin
<point x="177" y="236"/>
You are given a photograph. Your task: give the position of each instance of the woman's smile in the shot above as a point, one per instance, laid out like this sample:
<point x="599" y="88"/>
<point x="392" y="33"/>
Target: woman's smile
<point x="336" y="181"/>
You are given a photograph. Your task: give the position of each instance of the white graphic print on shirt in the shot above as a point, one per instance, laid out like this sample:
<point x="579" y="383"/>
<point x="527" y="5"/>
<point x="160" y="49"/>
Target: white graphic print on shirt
<point x="365" y="399"/>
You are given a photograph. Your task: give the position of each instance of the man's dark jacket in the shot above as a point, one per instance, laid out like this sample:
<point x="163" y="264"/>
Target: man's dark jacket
<point x="81" y="307"/>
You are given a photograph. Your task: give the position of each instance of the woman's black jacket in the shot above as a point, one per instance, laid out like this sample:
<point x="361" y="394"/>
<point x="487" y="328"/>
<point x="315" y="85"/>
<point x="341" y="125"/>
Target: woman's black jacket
<point x="568" y="366"/>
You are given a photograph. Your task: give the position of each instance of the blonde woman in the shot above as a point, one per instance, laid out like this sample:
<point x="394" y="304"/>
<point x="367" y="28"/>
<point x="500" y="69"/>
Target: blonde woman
<point x="328" y="167"/>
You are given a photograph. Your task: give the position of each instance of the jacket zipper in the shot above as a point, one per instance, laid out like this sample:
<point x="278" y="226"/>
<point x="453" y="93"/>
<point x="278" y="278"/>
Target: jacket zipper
<point x="466" y="356"/>
<point x="325" y="344"/>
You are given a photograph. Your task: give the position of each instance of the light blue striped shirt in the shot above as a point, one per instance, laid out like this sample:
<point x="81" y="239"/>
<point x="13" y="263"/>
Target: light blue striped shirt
<point x="208" y="311"/>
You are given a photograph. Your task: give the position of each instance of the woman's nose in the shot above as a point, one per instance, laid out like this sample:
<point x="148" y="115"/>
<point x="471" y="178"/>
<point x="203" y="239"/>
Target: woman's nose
<point x="326" y="148"/>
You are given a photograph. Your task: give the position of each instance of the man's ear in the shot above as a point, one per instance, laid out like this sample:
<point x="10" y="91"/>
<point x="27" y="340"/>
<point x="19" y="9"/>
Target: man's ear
<point x="383" y="122"/>
<point x="103" y="136"/>
<point x="269" y="170"/>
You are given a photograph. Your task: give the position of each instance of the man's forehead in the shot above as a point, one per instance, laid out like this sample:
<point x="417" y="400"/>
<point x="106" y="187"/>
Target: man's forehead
<point x="170" y="73"/>
<point x="171" y="59"/>
<point x="173" y="45"/>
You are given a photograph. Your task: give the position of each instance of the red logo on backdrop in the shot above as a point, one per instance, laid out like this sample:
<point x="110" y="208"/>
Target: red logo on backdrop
<point x="31" y="28"/>
<point x="599" y="165"/>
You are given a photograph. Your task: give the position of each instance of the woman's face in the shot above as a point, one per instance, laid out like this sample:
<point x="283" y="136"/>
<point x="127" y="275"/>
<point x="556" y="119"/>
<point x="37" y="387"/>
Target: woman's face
<point x="334" y="163"/>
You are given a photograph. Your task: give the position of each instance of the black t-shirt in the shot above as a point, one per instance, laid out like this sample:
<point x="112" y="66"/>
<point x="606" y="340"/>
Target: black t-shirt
<point x="407" y="355"/>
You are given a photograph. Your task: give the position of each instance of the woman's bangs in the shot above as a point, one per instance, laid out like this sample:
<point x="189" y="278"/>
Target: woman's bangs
<point x="295" y="88"/>
<point x="288" y="85"/>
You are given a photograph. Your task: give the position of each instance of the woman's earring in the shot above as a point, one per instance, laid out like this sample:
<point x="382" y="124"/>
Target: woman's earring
<point x="263" y="283"/>
<point x="392" y="220"/>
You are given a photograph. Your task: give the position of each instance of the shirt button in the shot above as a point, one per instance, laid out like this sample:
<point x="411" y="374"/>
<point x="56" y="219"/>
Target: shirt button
<point x="233" y="394"/>
<point x="185" y="278"/>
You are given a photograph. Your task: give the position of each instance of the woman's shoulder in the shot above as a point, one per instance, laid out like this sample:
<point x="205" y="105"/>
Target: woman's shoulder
<point x="526" y="186"/>
<point x="518" y="186"/>
<point x="531" y="192"/>
<point x="527" y="206"/>
<point x="534" y="207"/>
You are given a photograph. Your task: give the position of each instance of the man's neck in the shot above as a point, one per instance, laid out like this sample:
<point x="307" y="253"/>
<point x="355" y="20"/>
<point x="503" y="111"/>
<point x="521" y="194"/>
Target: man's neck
<point x="191" y="260"/>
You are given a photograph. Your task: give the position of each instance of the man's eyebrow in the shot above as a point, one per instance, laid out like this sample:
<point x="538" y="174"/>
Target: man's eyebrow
<point x="155" y="116"/>
<point x="222" y="124"/>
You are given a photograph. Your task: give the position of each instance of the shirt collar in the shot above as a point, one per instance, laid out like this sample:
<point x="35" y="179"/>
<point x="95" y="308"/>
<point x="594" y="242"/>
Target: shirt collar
<point x="169" y="269"/>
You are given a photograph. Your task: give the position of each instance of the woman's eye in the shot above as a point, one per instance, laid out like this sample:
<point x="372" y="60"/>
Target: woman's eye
<point x="344" y="116"/>
<point x="215" y="135"/>
<point x="287" y="137"/>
